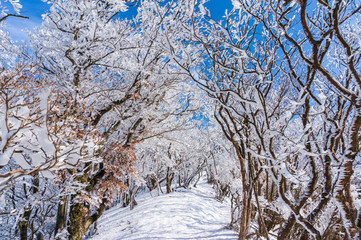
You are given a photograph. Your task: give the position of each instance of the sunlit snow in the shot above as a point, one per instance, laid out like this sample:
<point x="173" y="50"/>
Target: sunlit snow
<point x="184" y="214"/>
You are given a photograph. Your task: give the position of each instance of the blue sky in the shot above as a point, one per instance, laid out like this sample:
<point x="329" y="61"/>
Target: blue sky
<point x="35" y="8"/>
<point x="32" y="9"/>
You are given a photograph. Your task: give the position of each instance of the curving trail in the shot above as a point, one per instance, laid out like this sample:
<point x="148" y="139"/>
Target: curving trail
<point x="185" y="214"/>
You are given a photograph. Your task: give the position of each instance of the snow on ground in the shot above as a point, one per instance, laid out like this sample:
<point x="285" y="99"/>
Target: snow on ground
<point x="184" y="214"/>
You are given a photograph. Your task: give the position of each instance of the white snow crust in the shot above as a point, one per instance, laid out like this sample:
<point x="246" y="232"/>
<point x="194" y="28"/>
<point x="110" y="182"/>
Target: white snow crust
<point x="184" y="214"/>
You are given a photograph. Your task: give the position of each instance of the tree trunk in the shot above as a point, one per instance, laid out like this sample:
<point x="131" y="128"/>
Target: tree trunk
<point x="81" y="220"/>
<point x="61" y="216"/>
<point x="133" y="203"/>
<point x="77" y="215"/>
<point x="343" y="192"/>
<point x="169" y="180"/>
<point x="23" y="225"/>
<point x="245" y="221"/>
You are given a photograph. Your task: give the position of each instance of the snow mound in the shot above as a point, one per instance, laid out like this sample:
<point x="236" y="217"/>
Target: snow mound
<point x="184" y="214"/>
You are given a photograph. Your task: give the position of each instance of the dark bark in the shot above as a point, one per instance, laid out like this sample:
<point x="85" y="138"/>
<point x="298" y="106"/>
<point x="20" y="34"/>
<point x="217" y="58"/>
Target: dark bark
<point x="80" y="216"/>
<point x="23" y="225"/>
<point x="82" y="220"/>
<point x="61" y="216"/>
<point x="169" y="180"/>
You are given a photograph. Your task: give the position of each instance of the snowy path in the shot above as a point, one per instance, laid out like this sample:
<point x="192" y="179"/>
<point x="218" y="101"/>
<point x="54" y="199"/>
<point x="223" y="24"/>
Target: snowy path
<point x="185" y="214"/>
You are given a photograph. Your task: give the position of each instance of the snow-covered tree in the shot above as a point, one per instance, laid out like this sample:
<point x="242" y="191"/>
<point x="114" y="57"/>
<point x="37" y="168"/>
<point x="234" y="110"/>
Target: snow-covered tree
<point x="109" y="106"/>
<point x="120" y="70"/>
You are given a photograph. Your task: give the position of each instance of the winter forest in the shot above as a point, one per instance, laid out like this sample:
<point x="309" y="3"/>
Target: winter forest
<point x="265" y="104"/>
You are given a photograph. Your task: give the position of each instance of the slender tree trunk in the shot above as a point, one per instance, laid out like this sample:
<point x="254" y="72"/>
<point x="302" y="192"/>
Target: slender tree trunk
<point x="133" y="203"/>
<point x="343" y="192"/>
<point x="199" y="177"/>
<point x="23" y="225"/>
<point x="245" y="221"/>
<point x="261" y="223"/>
<point x="169" y="180"/>
<point x="61" y="216"/>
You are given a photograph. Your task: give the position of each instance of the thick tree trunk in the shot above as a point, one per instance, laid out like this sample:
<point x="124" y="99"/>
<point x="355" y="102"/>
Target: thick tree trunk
<point x="80" y="213"/>
<point x="77" y="215"/>
<point x="81" y="220"/>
